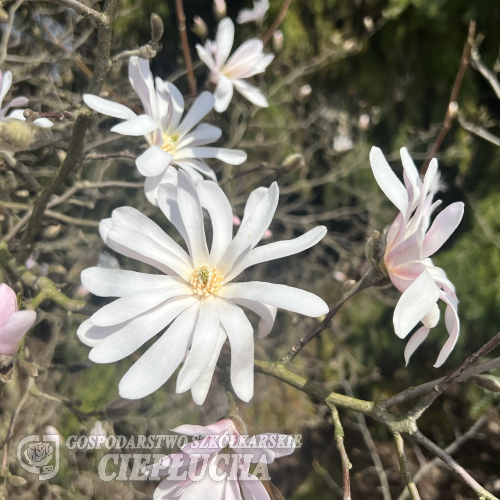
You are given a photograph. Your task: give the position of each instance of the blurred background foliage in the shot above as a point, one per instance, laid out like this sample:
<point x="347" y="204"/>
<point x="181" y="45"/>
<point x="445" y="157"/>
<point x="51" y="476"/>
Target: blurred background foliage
<point x="394" y="61"/>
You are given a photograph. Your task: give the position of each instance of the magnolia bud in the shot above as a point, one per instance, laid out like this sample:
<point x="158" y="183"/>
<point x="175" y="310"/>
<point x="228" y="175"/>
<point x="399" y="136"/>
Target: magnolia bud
<point x="368" y="22"/>
<point x="375" y="249"/>
<point x="364" y="122"/>
<point x="15" y="135"/>
<point x="453" y="109"/>
<point x="199" y="27"/>
<point x="305" y="90"/>
<point x="220" y="9"/>
<point x="156" y="28"/>
<point x="278" y="40"/>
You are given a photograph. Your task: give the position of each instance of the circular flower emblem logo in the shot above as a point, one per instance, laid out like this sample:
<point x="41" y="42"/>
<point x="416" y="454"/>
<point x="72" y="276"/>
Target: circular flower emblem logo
<point x="40" y="454"/>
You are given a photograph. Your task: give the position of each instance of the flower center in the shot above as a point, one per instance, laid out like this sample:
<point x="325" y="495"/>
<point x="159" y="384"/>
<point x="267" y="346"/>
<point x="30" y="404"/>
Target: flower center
<point x="206" y="280"/>
<point x="170" y="143"/>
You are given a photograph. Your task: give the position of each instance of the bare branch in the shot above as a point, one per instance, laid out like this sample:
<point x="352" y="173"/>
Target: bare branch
<point x="181" y="21"/>
<point x="339" y="441"/>
<point x="277" y="21"/>
<point x="477" y="130"/>
<point x="478" y="64"/>
<point x="99" y="18"/>
<point x="405" y="469"/>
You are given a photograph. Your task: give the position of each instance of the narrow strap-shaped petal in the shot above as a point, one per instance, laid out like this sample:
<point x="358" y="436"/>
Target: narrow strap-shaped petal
<point x="187" y="166"/>
<point x="176" y="109"/>
<point x="7" y="82"/>
<point x="253" y="489"/>
<point x="132" y="218"/>
<point x="198" y="165"/>
<point x="161" y="360"/>
<point x="408" y="250"/>
<point x="265" y="311"/>
<point x="281" y="296"/>
<point x="206" y="57"/>
<point x="205" y="338"/>
<point x="396" y="233"/>
<point x="133" y="305"/>
<point x="14" y="330"/>
<point x="119" y="283"/>
<point x="442" y="228"/>
<point x="223" y="94"/>
<point x="153" y="161"/>
<point x="277" y="250"/>
<point x="418" y="299"/>
<point x="251" y="229"/>
<point x="18" y="101"/>
<point x="201" y="135"/>
<point x="240" y="334"/>
<point x="139" y="84"/>
<point x="231" y="156"/>
<point x="213" y="199"/>
<point x="192" y="217"/>
<point x="137" y="332"/>
<point x="246" y="54"/>
<point x="108" y="108"/>
<point x="224" y="41"/>
<point x="254" y="198"/>
<point x="8" y="302"/>
<point x="140" y="125"/>
<point x="91" y="335"/>
<point x="201" y="387"/>
<point x="412" y="175"/>
<point x="167" y="201"/>
<point x="252" y="93"/>
<point x="200" y="108"/>
<point x="452" y="325"/>
<point x="387" y="180"/>
<point x="415" y="341"/>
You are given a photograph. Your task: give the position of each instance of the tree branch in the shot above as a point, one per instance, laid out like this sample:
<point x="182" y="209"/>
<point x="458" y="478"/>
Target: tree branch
<point x="277" y="21"/>
<point x="181" y="21"/>
<point x="405" y="469"/>
<point x="339" y="441"/>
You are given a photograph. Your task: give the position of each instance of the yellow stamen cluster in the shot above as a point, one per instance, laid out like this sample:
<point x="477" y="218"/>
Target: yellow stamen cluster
<point x="170" y="143"/>
<point x="206" y="280"/>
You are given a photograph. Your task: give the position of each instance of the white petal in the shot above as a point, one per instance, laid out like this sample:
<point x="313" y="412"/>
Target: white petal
<point x="161" y="360"/>
<point x="240" y="333"/>
<point x="186" y="165"/>
<point x="131" y="218"/>
<point x="442" y="228"/>
<point x="224" y="41"/>
<point x="415" y="303"/>
<point x="223" y="94"/>
<point x="7" y="82"/>
<point x="205" y="338"/>
<point x="387" y="180"/>
<point x="108" y="108"/>
<point x="266" y="312"/>
<point x="198" y="165"/>
<point x="43" y="123"/>
<point x="145" y="249"/>
<point x="247" y="54"/>
<point x="281" y="296"/>
<point x="133" y="305"/>
<point x="167" y="201"/>
<point x="253" y="94"/>
<point x="152" y="184"/>
<point x="200" y="108"/>
<point x="431" y="319"/>
<point x="408" y="250"/>
<point x="213" y="199"/>
<point x="231" y="156"/>
<point x="91" y="335"/>
<point x="176" y="109"/>
<point x="137" y="332"/>
<point x="255" y="197"/>
<point x="153" y="161"/>
<point x="452" y="325"/>
<point x="192" y="216"/>
<point x="200" y="389"/>
<point x="141" y="125"/>
<point x="253" y="489"/>
<point x="203" y="134"/>
<point x="206" y="57"/>
<point x="118" y="283"/>
<point x="277" y="250"/>
<point x="251" y="229"/>
<point x="415" y="341"/>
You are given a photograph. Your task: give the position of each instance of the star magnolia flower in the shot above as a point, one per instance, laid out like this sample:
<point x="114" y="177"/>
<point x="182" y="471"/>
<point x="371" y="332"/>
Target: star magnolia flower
<point x="195" y="294"/>
<point x="257" y="14"/>
<point x="409" y="246"/>
<point x="13" y="323"/>
<point x="171" y="141"/>
<point x="217" y="467"/>
<point x="247" y="61"/>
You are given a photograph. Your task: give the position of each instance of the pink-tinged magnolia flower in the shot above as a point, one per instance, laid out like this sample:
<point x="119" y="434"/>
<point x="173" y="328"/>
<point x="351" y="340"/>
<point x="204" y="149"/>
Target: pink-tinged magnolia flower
<point x="257" y="14"/>
<point x="195" y="294"/>
<point x="5" y="83"/>
<point x="13" y="323"/>
<point x="409" y="245"/>
<point x="217" y="467"/>
<point x="171" y="139"/>
<point x="248" y="60"/>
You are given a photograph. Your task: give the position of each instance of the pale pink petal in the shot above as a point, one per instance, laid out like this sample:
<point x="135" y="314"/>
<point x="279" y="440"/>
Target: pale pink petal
<point x="224" y="40"/>
<point x="415" y="341"/>
<point x="8" y="303"/>
<point x="223" y="94"/>
<point x="14" y="330"/>
<point x="452" y="325"/>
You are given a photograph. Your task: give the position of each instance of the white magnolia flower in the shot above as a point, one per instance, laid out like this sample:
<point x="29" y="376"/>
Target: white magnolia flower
<point x="171" y="141"/>
<point x="248" y="60"/>
<point x="257" y="14"/>
<point x="409" y="245"/>
<point x="195" y="295"/>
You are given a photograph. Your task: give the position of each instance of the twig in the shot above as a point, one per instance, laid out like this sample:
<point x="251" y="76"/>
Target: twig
<point x="327" y="477"/>
<point x="448" y="117"/>
<point x="75" y="150"/>
<point x="457" y="469"/>
<point x="339" y="441"/>
<point x="99" y="18"/>
<point x="181" y="20"/>
<point x="419" y="390"/>
<point x="31" y="115"/>
<point x="453" y="447"/>
<point x="430" y="397"/>
<point x="367" y="437"/>
<point x="371" y="278"/>
<point x="6" y="34"/>
<point x="479" y="65"/>
<point x="405" y="469"/>
<point x="277" y="21"/>
<point x="477" y="130"/>
<point x="105" y="156"/>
